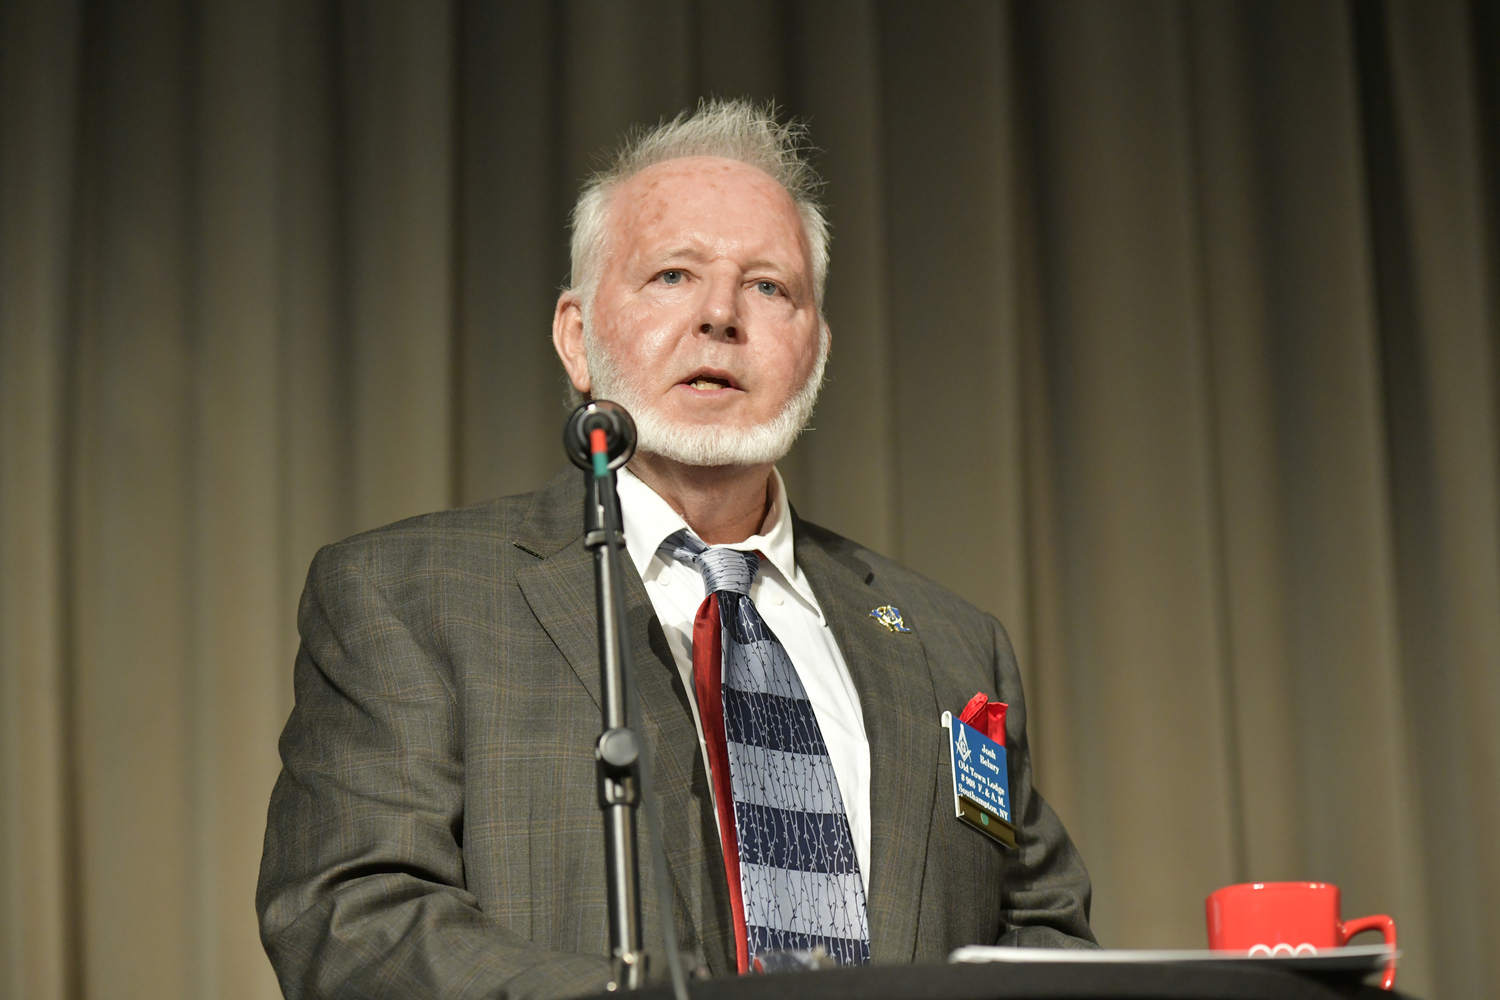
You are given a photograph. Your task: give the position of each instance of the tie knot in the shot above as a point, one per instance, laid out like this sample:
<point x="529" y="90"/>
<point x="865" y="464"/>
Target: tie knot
<point x="722" y="569"/>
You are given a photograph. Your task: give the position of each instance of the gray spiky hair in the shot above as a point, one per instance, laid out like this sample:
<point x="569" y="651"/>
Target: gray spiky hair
<point x="733" y="129"/>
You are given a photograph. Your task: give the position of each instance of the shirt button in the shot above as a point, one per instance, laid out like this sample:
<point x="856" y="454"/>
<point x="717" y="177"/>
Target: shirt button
<point x="664" y="577"/>
<point x="776" y="600"/>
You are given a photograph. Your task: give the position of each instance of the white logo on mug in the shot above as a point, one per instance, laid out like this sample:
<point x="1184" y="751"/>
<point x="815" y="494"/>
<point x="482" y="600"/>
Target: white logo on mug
<point x="1282" y="950"/>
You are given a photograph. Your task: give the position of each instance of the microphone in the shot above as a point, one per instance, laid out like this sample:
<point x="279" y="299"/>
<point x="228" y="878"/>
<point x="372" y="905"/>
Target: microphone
<point x="599" y="414"/>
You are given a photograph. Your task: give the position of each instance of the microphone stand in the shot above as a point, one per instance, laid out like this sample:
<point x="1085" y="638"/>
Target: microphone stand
<point x="600" y="438"/>
<point x="618" y="749"/>
<point x="617" y="754"/>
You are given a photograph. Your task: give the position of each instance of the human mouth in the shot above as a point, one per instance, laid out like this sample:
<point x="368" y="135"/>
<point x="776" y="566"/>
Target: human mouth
<point x="709" y="381"/>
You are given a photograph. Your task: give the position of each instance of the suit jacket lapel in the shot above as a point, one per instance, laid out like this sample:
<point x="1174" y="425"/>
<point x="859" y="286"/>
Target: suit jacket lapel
<point x="559" y="588"/>
<point x="689" y="834"/>
<point x="560" y="591"/>
<point x="901" y="721"/>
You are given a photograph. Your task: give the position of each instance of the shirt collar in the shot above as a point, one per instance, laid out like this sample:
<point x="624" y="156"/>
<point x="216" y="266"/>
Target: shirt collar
<point x="648" y="520"/>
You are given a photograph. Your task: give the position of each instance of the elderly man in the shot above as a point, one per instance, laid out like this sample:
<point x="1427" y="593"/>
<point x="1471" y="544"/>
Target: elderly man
<point x="435" y="831"/>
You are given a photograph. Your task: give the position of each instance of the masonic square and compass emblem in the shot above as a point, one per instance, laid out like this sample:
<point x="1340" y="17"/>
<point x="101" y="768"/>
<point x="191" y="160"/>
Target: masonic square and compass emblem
<point x="890" y="617"/>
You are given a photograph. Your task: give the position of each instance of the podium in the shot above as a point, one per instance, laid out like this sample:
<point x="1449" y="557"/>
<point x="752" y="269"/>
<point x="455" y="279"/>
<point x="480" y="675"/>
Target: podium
<point x="1038" y="981"/>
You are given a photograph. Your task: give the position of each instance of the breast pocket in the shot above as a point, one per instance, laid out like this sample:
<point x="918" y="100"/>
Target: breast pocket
<point x="969" y="866"/>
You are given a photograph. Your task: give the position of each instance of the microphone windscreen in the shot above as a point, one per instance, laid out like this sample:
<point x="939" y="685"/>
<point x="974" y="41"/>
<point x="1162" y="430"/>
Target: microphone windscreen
<point x="601" y="414"/>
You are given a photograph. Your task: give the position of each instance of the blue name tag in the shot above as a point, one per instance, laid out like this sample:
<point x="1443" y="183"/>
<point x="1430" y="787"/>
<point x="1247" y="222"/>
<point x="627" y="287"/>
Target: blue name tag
<point x="981" y="781"/>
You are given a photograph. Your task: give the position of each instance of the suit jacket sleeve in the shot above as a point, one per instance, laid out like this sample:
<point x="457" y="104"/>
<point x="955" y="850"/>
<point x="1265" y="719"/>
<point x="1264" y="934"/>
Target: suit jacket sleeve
<point x="1045" y="892"/>
<point x="362" y="887"/>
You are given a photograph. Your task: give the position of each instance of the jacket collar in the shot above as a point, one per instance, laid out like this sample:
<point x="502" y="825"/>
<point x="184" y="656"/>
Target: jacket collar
<point x="555" y="517"/>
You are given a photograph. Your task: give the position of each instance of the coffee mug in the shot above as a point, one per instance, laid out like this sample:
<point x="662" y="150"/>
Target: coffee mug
<point x="1288" y="918"/>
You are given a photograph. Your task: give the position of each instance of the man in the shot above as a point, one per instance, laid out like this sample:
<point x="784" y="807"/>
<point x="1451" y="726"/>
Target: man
<point x="435" y="831"/>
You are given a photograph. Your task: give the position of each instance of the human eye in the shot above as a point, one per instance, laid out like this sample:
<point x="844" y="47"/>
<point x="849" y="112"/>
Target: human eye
<point x="767" y="287"/>
<point x="671" y="277"/>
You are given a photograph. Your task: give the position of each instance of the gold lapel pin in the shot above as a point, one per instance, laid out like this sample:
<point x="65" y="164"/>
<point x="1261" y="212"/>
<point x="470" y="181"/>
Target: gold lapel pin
<point x="890" y="617"/>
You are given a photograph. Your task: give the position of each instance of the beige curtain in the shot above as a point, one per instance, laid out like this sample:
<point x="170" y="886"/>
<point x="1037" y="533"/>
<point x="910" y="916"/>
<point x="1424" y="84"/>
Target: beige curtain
<point x="1165" y="331"/>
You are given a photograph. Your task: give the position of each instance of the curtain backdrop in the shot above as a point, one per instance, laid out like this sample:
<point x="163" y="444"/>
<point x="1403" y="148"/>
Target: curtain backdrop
<point x="1165" y="331"/>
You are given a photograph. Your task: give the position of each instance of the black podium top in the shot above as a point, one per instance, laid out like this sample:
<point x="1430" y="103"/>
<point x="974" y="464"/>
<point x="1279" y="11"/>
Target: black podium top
<point x="1040" y="981"/>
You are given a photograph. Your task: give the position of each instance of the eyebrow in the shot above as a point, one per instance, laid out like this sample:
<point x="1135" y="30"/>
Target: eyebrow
<point x="697" y="256"/>
<point x="680" y="253"/>
<point x="769" y="265"/>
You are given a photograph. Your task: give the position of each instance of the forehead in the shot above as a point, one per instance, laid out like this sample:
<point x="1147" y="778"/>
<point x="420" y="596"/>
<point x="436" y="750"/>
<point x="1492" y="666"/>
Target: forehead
<point x="705" y="196"/>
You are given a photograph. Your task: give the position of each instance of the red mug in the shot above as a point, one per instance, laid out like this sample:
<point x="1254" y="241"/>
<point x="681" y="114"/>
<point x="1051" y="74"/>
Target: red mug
<point x="1288" y="918"/>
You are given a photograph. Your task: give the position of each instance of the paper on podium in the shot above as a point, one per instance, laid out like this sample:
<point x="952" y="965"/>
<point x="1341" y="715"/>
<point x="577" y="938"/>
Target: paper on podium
<point x="1357" y="958"/>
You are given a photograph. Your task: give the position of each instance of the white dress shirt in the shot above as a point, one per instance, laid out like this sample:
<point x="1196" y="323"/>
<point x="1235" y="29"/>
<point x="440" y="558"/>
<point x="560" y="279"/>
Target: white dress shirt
<point x="786" y="602"/>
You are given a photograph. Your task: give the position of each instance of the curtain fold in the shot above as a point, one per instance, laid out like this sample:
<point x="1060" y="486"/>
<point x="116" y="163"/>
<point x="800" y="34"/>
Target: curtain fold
<point x="1427" y="201"/>
<point x="1130" y="453"/>
<point x="1166" y="332"/>
<point x="38" y="823"/>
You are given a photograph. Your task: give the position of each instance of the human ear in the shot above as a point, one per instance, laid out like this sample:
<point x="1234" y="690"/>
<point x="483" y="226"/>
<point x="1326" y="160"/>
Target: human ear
<point x="567" y="338"/>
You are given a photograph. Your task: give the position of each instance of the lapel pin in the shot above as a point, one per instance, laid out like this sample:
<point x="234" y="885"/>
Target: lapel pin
<point x="890" y="617"/>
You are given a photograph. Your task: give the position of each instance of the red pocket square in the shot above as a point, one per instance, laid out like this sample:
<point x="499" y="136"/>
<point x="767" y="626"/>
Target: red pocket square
<point x="986" y="716"/>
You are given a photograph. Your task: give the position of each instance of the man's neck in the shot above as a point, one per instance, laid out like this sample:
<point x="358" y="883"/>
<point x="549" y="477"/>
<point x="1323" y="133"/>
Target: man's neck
<point x="723" y="504"/>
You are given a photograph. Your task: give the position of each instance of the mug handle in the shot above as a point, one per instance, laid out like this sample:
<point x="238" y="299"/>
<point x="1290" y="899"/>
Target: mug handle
<point x="1387" y="927"/>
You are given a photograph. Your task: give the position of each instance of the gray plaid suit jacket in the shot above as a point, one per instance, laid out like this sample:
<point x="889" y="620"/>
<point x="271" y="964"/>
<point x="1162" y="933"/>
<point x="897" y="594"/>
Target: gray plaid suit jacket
<point x="435" y="830"/>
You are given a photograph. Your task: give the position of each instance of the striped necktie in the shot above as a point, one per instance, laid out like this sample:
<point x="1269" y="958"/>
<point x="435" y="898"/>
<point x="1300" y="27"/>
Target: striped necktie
<point x="794" y="881"/>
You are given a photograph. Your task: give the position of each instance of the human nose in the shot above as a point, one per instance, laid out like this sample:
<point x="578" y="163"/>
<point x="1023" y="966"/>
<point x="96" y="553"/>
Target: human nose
<point x="719" y="308"/>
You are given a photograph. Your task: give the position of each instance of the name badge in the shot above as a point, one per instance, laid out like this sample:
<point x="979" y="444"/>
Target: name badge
<point x="981" y="781"/>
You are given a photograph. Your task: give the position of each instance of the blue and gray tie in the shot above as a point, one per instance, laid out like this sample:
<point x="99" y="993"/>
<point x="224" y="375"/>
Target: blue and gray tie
<point x="794" y="879"/>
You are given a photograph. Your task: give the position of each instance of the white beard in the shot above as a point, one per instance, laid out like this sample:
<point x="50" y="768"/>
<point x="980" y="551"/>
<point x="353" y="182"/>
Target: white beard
<point x="704" y="444"/>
